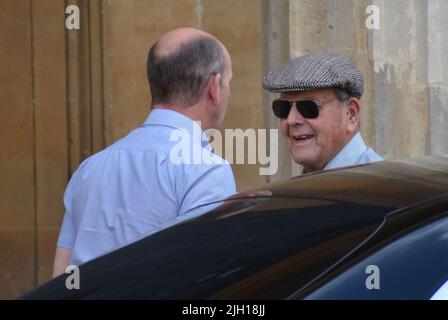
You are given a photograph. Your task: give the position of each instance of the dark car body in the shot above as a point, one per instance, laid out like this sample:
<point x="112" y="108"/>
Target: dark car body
<point x="313" y="236"/>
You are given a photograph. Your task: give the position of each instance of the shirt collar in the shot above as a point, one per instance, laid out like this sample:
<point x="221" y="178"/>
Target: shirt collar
<point x="349" y="154"/>
<point x="176" y="120"/>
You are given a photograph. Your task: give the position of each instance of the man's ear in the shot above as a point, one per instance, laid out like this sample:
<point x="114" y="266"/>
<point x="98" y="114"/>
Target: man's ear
<point x="353" y="113"/>
<point x="214" y="88"/>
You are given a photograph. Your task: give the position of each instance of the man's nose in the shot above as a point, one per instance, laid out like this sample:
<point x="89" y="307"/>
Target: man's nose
<point x="294" y="116"/>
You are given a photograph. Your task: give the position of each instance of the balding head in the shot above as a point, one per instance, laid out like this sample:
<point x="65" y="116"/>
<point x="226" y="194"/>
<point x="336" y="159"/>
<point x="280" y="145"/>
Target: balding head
<point x="170" y="42"/>
<point x="180" y="64"/>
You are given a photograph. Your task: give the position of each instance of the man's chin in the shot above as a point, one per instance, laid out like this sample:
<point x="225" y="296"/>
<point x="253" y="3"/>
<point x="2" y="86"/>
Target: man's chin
<point x="302" y="155"/>
<point x="306" y="161"/>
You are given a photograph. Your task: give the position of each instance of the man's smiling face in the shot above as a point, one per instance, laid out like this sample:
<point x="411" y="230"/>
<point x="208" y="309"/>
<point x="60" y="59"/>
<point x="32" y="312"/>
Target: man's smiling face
<point x="314" y="142"/>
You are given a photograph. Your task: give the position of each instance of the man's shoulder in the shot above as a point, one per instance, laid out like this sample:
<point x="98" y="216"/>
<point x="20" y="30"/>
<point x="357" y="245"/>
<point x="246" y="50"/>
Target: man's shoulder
<point x="145" y="138"/>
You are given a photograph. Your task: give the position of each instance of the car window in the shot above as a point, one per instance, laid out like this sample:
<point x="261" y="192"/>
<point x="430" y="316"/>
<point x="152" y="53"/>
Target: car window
<point x="412" y="267"/>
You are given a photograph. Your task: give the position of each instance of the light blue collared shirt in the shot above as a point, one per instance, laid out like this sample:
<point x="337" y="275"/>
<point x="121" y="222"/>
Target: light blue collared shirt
<point x="354" y="152"/>
<point x="134" y="188"/>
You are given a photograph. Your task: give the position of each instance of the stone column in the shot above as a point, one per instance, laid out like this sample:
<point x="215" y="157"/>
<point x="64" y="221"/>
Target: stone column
<point x="275" y="17"/>
<point x="400" y="85"/>
<point x="437" y="42"/>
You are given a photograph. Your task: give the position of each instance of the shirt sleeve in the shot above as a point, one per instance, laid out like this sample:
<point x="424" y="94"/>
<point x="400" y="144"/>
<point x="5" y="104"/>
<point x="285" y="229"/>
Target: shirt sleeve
<point x="67" y="234"/>
<point x="206" y="186"/>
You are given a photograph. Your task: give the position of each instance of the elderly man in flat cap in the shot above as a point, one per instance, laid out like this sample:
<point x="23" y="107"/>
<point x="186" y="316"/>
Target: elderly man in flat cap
<point x="319" y="111"/>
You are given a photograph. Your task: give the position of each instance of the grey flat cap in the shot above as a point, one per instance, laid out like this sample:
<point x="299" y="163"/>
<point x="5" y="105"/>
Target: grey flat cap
<point x="316" y="71"/>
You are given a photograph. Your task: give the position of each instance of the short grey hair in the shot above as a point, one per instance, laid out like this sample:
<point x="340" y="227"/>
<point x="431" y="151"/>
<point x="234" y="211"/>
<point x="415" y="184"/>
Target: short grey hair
<point x="182" y="76"/>
<point x="341" y="95"/>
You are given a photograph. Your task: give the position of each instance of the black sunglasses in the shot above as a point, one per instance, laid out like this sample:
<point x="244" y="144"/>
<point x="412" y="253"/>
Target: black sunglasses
<point x="309" y="109"/>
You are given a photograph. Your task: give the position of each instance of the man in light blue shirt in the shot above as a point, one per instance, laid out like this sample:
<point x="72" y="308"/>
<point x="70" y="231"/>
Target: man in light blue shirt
<point x="319" y="111"/>
<point x="138" y="185"/>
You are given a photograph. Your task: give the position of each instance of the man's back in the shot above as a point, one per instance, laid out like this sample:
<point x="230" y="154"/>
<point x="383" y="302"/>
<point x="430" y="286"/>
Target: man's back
<point x="133" y="188"/>
<point x="137" y="186"/>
